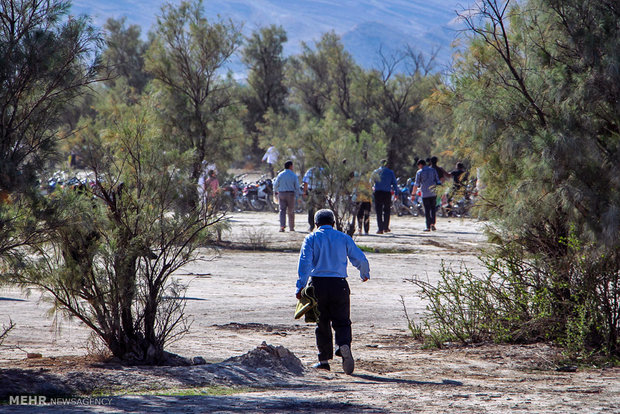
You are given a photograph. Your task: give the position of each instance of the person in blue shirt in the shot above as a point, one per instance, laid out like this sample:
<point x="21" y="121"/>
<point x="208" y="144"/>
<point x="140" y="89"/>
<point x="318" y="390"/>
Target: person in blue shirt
<point x="426" y="179"/>
<point x="286" y="189"/>
<point x="385" y="181"/>
<point x="323" y="259"/>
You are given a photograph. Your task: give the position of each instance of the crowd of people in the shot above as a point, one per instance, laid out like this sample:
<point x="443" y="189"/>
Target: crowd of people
<point x="379" y="187"/>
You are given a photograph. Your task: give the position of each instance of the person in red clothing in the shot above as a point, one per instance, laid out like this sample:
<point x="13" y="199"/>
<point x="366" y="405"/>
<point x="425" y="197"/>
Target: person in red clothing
<point x="212" y="184"/>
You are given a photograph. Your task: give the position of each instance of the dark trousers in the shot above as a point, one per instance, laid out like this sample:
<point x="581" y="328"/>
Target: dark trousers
<point x="332" y="294"/>
<point x="316" y="201"/>
<point x="311" y="211"/>
<point x="430" y="206"/>
<point x="383" y="203"/>
<point x="363" y="215"/>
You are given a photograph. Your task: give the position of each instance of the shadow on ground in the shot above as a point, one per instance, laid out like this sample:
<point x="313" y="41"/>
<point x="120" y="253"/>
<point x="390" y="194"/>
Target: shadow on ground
<point x="375" y="378"/>
<point x="201" y="404"/>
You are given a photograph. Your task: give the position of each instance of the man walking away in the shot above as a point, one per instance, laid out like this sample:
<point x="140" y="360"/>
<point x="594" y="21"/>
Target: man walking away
<point x="443" y="177"/>
<point x="323" y="258"/>
<point x="384" y="179"/>
<point x="426" y="179"/>
<point x="286" y="188"/>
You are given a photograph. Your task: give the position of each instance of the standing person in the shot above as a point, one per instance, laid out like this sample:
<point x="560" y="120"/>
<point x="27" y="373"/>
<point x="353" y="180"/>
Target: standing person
<point x="323" y="258"/>
<point x="211" y="184"/>
<point x="363" y="203"/>
<point x="384" y="180"/>
<point x="458" y="175"/>
<point x="202" y="192"/>
<point x="441" y="173"/>
<point x="208" y="186"/>
<point x="314" y="192"/>
<point x="443" y="177"/>
<point x="426" y="179"/>
<point x="286" y="188"/>
<point x="206" y="170"/>
<point x="271" y="157"/>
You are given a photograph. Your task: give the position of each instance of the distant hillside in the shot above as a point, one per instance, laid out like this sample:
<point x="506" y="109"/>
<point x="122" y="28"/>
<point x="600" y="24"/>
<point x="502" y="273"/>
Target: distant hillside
<point x="366" y="39"/>
<point x="364" y="25"/>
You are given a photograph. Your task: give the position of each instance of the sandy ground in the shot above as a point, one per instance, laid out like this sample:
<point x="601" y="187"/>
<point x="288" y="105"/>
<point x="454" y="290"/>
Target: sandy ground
<point x="239" y="300"/>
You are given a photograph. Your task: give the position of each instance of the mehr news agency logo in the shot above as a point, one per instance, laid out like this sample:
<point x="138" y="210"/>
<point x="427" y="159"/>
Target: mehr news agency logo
<point x="43" y="400"/>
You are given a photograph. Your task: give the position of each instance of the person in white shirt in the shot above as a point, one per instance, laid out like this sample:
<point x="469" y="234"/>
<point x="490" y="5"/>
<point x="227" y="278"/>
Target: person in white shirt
<point x="271" y="157"/>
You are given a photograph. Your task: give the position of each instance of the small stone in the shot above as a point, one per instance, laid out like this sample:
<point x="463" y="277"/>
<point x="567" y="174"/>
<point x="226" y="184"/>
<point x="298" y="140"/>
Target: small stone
<point x="198" y="360"/>
<point x="33" y="355"/>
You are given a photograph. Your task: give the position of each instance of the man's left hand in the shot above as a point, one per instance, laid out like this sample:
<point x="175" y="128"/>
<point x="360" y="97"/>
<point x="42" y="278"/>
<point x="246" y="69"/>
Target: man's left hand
<point x="298" y="295"/>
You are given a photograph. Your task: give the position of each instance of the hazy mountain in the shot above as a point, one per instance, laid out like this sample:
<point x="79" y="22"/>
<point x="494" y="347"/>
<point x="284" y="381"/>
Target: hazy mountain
<point x="365" y="26"/>
<point x="369" y="40"/>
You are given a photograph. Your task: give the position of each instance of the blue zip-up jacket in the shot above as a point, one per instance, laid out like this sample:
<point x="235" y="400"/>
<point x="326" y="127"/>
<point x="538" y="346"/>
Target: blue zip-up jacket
<point x="324" y="253"/>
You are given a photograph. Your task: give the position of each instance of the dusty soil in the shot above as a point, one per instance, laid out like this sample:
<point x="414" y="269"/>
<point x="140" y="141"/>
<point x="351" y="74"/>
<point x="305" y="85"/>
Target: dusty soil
<point x="242" y="302"/>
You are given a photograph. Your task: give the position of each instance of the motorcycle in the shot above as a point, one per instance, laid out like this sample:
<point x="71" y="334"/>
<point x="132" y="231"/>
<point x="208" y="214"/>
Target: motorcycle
<point x="259" y="195"/>
<point x="459" y="203"/>
<point x="402" y="203"/>
<point x="232" y="195"/>
<point x="57" y="180"/>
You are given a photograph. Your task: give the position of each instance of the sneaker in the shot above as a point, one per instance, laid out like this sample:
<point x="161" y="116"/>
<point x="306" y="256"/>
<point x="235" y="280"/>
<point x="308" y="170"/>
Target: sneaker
<point x="348" y="364"/>
<point x="281" y="229"/>
<point x="321" y="365"/>
<point x="292" y="229"/>
<point x="387" y="230"/>
<point x="366" y="233"/>
<point x="433" y="227"/>
<point x="427" y="229"/>
<point x="379" y="231"/>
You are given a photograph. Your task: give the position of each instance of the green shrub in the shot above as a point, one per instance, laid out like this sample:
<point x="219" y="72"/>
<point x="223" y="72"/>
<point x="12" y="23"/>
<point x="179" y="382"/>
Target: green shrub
<point x="523" y="300"/>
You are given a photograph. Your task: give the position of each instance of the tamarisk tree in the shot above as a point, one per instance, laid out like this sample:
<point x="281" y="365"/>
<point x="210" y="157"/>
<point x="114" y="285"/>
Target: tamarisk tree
<point x="536" y="99"/>
<point x="46" y="60"/>
<point x="113" y="249"/>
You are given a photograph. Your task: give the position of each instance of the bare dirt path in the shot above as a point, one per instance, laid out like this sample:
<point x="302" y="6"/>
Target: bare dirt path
<point x="240" y="299"/>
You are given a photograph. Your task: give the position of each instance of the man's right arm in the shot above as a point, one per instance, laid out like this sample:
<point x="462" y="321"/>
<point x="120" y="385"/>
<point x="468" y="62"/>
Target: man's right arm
<point x="305" y="264"/>
<point x="358" y="259"/>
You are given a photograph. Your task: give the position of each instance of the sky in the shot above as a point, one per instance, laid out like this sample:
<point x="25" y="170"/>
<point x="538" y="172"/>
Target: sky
<point x="362" y="23"/>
